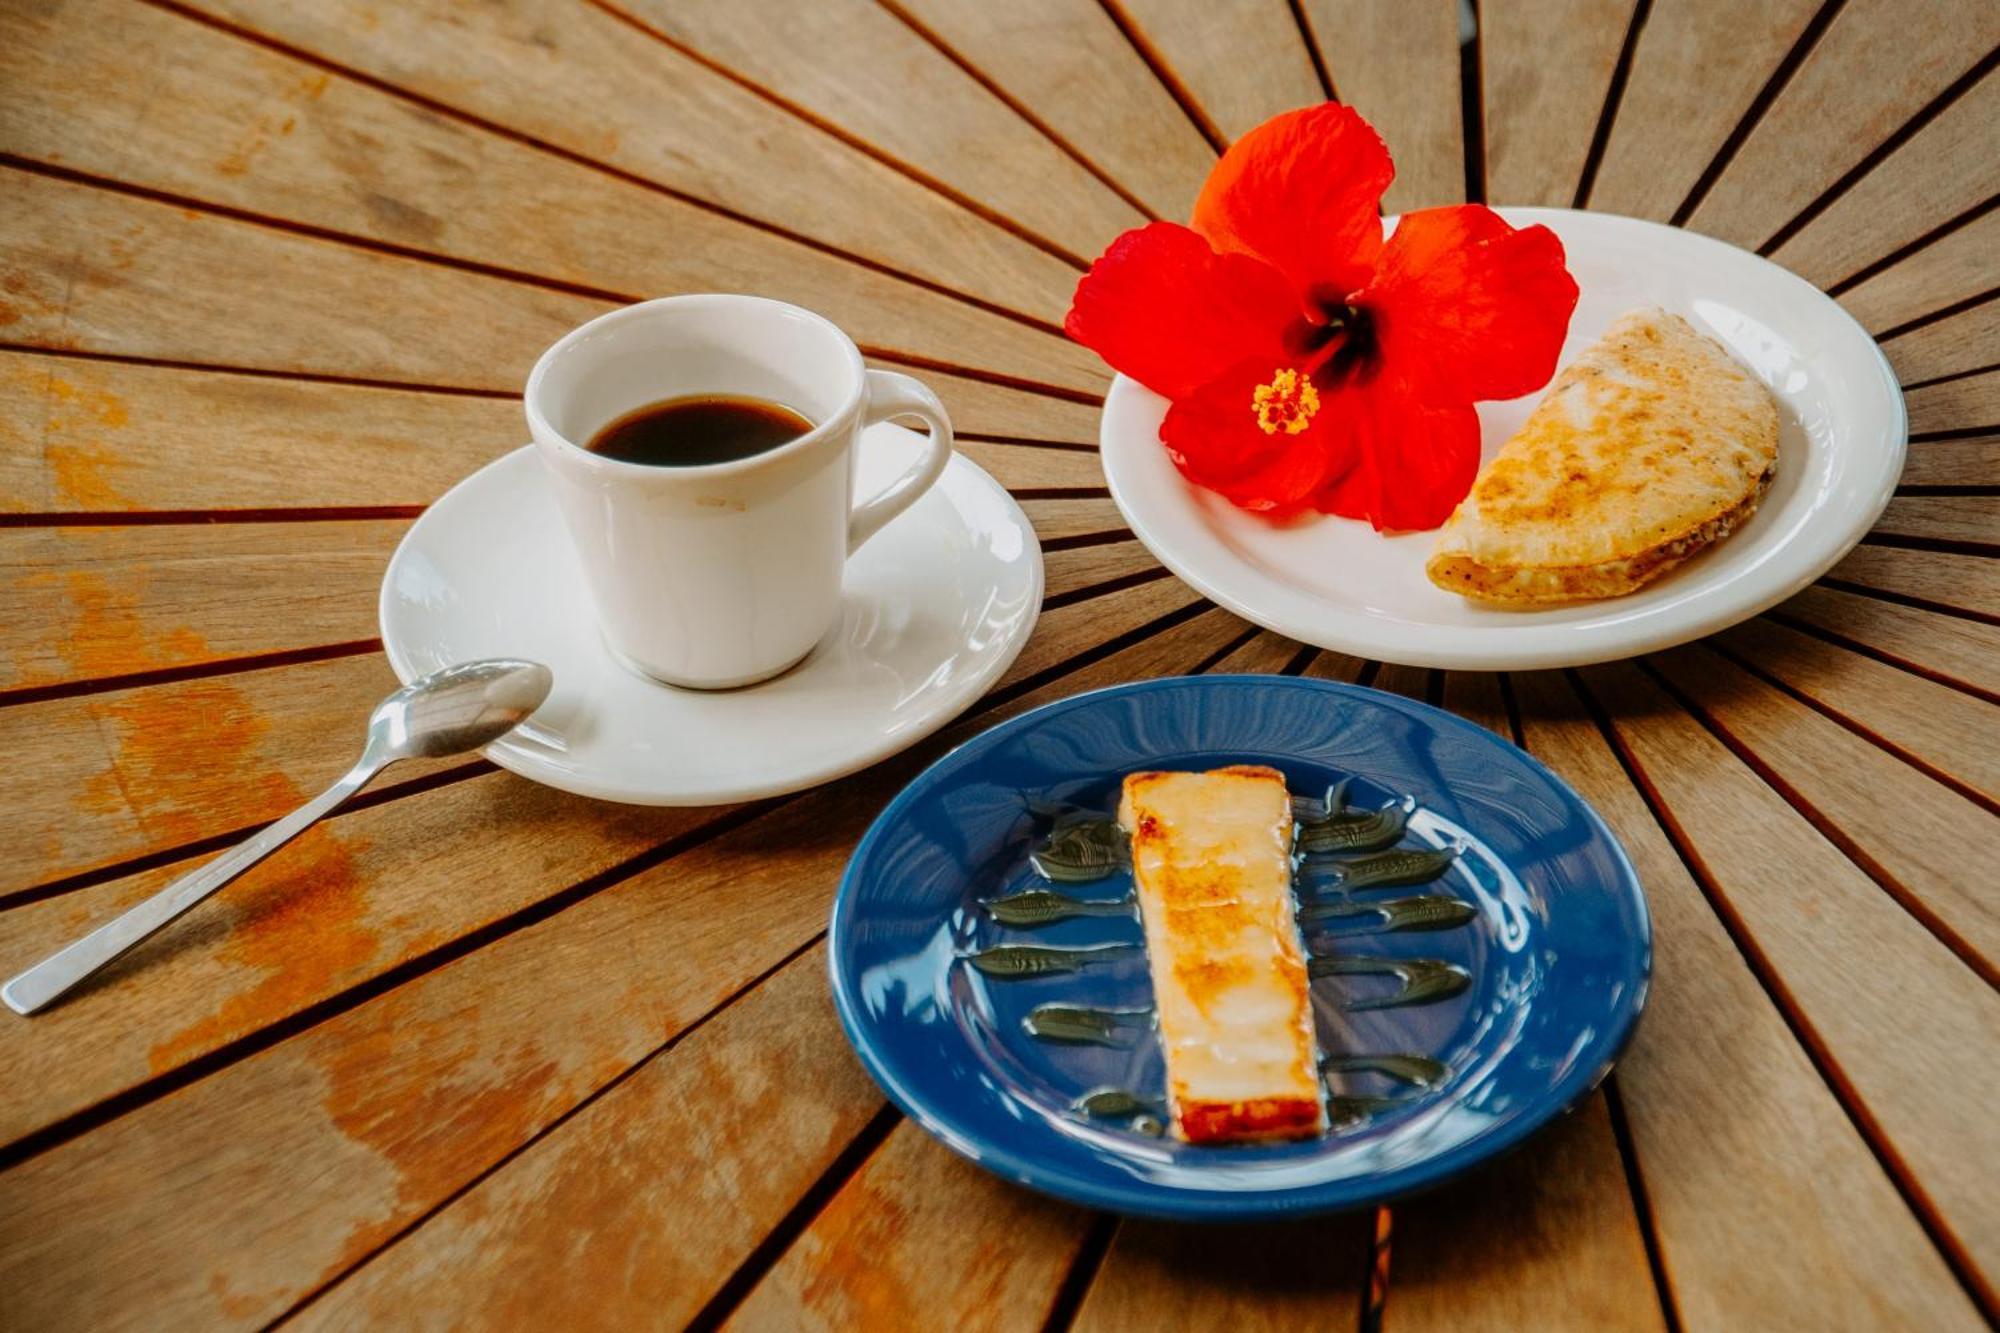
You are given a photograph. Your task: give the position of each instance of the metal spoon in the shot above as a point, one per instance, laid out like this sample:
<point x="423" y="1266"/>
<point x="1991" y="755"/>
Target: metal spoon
<point x="447" y="712"/>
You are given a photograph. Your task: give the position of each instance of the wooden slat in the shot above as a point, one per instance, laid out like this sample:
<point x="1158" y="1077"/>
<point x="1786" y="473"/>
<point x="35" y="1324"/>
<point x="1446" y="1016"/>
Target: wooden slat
<point x="1696" y="70"/>
<point x="1926" y="838"/>
<point x="1885" y="1001"/>
<point x="1397" y="63"/>
<point x="1263" y="653"/>
<point x="209" y="123"/>
<point x="1940" y="172"/>
<point x="103" y="778"/>
<point x="87" y="270"/>
<point x="646" y="109"/>
<point x="1057" y="519"/>
<point x="1938" y="276"/>
<point x="1951" y="518"/>
<point x="1939" y="726"/>
<point x="1953" y="345"/>
<point x="1243" y="63"/>
<point x="1968" y="581"/>
<point x="1546" y="1238"/>
<point x="1475" y="696"/>
<point x="384" y="1111"/>
<point x="96" y="436"/>
<point x="1024" y="467"/>
<point x="87" y="603"/>
<point x="651" y="1196"/>
<point x="1264" y="1278"/>
<point x="1546" y="67"/>
<point x="981" y="408"/>
<point x="1877" y="64"/>
<point x="1956" y="404"/>
<point x="1770" y="1208"/>
<point x="1088" y="566"/>
<point x="840" y="59"/>
<point x="1952" y="647"/>
<point x="920" y="1238"/>
<point x="1068" y="62"/>
<point x="1082" y="626"/>
<point x="1967" y="462"/>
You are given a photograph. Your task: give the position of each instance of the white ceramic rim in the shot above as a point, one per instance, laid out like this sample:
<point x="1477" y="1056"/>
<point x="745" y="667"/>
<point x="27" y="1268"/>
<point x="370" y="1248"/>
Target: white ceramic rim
<point x="694" y="305"/>
<point x="1175" y="534"/>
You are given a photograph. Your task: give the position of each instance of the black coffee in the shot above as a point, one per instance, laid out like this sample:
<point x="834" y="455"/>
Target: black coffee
<point x="707" y="428"/>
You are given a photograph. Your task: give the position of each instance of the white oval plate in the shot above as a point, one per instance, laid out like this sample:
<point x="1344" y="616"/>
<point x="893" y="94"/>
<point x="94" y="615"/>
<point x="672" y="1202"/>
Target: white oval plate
<point x="1337" y="583"/>
<point x="933" y="610"/>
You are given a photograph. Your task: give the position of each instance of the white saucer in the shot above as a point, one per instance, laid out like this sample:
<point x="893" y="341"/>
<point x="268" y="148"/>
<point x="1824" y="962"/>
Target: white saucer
<point x="1336" y="583"/>
<point x="934" y="609"/>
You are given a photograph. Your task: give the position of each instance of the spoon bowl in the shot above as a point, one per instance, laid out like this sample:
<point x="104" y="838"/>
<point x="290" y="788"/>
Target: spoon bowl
<point x="456" y="709"/>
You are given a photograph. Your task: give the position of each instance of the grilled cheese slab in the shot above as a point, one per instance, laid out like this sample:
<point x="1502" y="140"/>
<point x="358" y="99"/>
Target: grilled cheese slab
<point x="1212" y="859"/>
<point x="1650" y="447"/>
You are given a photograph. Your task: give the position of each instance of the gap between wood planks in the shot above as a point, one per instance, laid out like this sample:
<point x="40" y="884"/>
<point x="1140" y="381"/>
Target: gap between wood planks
<point x="896" y="356"/>
<point x="131" y="1099"/>
<point x="1017" y="106"/>
<point x="1880" y="153"/>
<point x="1967" y="374"/>
<point x="221" y="666"/>
<point x="1850" y="1102"/>
<point x="1472" y="106"/>
<point x="1922" y="765"/>
<point x="1898" y="255"/>
<point x="1156" y="61"/>
<point x="1303" y="22"/>
<point x="1957" y="307"/>
<point x="1915" y="603"/>
<point x="1827" y="828"/>
<point x="215" y="842"/>
<point x="1946" y="545"/>
<point x="1614" y="94"/>
<point x="1887" y="658"/>
<point x="973" y="206"/>
<point x="803" y="113"/>
<point x="1788" y="66"/>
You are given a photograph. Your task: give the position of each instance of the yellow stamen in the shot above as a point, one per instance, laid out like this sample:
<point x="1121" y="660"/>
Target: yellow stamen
<point x="1287" y="403"/>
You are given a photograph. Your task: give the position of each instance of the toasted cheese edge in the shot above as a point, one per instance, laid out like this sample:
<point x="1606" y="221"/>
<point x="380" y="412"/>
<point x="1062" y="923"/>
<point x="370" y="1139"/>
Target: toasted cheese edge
<point x="1202" y="1120"/>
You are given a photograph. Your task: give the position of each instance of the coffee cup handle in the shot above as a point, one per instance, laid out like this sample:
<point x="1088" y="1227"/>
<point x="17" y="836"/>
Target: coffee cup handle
<point x="889" y="396"/>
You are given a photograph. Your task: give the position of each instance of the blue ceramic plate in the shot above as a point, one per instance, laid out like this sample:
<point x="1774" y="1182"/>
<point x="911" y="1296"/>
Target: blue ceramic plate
<point x="1552" y="958"/>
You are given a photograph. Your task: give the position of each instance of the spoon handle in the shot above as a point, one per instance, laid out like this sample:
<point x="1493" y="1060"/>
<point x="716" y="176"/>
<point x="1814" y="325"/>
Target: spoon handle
<point x="56" y="974"/>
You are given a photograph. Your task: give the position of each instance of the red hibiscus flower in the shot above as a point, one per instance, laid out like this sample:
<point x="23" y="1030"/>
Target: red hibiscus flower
<point x="1310" y="364"/>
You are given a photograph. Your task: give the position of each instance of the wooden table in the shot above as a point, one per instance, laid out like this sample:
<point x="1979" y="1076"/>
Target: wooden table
<point x="475" y="1053"/>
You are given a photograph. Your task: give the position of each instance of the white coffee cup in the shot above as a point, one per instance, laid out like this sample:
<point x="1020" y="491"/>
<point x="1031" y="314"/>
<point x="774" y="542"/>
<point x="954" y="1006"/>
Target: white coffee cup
<point x="726" y="573"/>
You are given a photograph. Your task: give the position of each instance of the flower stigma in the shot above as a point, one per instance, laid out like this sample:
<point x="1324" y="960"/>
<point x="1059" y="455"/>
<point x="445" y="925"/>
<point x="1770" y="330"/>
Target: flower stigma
<point x="1287" y="403"/>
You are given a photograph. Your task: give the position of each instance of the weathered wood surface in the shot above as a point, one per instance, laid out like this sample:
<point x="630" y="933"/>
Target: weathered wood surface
<point x="475" y="1053"/>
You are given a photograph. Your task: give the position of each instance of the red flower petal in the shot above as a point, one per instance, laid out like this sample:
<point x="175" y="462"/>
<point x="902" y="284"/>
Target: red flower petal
<point x="1300" y="192"/>
<point x="1166" y="309"/>
<point x="1413" y="462"/>
<point x="1468" y="308"/>
<point x="1213" y="437"/>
